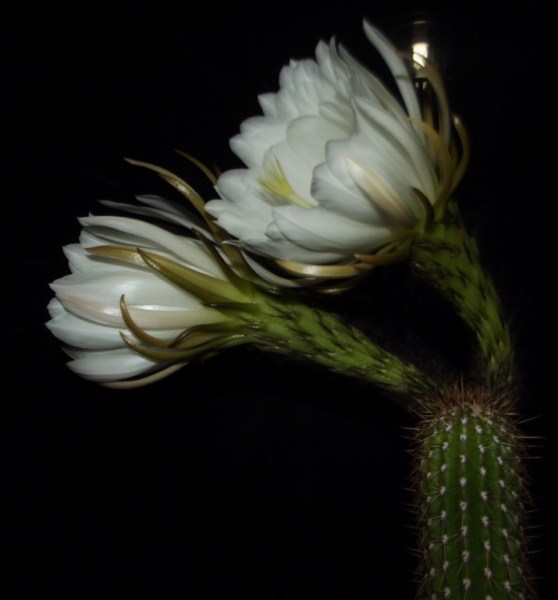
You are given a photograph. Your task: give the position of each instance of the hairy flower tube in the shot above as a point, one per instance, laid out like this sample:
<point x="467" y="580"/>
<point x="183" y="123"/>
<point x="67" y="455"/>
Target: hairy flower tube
<point x="142" y="301"/>
<point x="341" y="173"/>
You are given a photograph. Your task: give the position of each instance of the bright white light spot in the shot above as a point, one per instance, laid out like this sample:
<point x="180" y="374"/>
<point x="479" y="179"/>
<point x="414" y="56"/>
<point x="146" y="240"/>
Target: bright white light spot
<point x="420" y="52"/>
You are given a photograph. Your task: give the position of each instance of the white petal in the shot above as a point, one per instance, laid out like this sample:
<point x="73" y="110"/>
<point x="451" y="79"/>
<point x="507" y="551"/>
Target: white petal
<point x="321" y="231"/>
<point x="336" y="196"/>
<point x="297" y="170"/>
<point x="257" y="134"/>
<point x="267" y="103"/>
<point x="282" y="248"/>
<point x="159" y="211"/>
<point x="398" y="69"/>
<point x="400" y="142"/>
<point x="245" y="209"/>
<point x="308" y="136"/>
<point x="367" y="84"/>
<point x="302" y="89"/>
<point x="81" y="333"/>
<point x="96" y="296"/>
<point x="105" y="366"/>
<point x="401" y="208"/>
<point x="132" y="232"/>
<point x="55" y="308"/>
<point x="340" y="114"/>
<point x="362" y="168"/>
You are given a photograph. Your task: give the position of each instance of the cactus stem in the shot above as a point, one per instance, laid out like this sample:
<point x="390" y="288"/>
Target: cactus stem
<point x="470" y="490"/>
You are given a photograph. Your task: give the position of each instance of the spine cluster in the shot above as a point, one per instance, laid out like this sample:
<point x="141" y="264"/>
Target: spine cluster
<point x="470" y="495"/>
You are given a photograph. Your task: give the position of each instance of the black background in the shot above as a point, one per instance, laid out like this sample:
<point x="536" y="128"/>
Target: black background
<point x="248" y="474"/>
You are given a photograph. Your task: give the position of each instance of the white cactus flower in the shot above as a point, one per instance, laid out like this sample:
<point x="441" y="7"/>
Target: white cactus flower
<point x="135" y="306"/>
<point x="341" y="174"/>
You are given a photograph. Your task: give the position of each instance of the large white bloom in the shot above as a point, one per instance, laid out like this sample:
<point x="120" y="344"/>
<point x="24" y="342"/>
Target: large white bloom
<point x="135" y="306"/>
<point x="341" y="174"/>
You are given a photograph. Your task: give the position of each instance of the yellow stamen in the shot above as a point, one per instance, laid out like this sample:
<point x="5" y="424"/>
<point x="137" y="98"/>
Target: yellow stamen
<point x="275" y="181"/>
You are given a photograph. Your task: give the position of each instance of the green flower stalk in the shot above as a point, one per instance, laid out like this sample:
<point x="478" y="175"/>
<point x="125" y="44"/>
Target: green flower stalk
<point x="448" y="257"/>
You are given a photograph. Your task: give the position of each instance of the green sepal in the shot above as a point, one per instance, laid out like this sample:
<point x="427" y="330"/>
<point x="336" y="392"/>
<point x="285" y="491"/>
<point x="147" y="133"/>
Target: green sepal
<point x="205" y="287"/>
<point x="201" y="349"/>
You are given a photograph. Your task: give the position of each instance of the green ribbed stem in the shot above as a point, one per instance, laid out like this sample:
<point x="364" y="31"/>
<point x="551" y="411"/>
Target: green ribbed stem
<point x="448" y="256"/>
<point x="286" y="326"/>
<point x="470" y="496"/>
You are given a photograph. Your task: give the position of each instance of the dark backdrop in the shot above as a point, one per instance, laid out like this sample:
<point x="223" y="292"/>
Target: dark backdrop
<point x="248" y="474"/>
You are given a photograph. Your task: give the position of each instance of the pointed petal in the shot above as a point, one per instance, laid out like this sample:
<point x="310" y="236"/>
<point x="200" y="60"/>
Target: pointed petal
<point x="321" y="231"/>
<point x="106" y="366"/>
<point x="81" y="333"/>
<point x="398" y="69"/>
